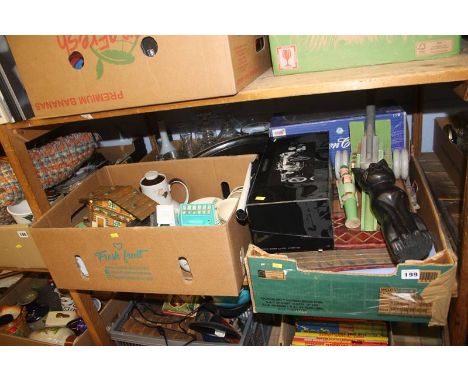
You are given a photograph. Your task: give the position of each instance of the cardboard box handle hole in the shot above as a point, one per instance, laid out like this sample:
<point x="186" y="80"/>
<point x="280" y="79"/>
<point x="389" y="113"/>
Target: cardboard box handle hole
<point x="76" y="60"/>
<point x="82" y="267"/>
<point x="149" y="46"/>
<point x="185" y="269"/>
<point x="260" y="44"/>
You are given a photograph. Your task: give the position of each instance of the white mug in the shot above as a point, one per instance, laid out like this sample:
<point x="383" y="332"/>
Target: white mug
<point x="155" y="186"/>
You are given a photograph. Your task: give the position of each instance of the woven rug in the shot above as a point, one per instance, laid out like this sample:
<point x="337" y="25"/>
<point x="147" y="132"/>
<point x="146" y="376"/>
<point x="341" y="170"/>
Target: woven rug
<point x="5" y="217"/>
<point x="55" y="162"/>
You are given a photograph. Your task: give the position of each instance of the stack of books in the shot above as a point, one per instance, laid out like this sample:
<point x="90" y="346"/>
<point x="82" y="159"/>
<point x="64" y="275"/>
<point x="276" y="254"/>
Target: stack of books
<point x="330" y="332"/>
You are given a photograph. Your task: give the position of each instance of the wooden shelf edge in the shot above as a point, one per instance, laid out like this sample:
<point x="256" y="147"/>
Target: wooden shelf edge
<point x="268" y="86"/>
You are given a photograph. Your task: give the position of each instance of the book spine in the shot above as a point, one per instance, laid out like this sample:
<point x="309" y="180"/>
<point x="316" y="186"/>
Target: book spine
<point x="375" y="329"/>
<point x="357" y="333"/>
<point x="297" y="341"/>
<point x="342" y="336"/>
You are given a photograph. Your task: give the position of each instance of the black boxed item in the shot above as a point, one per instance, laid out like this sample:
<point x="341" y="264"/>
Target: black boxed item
<point x="290" y="201"/>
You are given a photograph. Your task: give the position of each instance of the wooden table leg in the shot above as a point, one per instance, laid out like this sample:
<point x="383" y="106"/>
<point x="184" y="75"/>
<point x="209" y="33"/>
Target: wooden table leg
<point x="458" y="321"/>
<point x="20" y="161"/>
<point x="90" y="316"/>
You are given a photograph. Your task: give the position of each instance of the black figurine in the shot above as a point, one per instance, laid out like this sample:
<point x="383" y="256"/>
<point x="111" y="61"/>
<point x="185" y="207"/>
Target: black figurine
<point x="405" y="233"/>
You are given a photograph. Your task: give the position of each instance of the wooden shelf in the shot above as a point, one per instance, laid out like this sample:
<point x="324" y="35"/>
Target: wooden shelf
<point x="268" y="86"/>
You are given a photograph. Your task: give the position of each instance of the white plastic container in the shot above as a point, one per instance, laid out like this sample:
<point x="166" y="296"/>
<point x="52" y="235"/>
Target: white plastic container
<point x="21" y="212"/>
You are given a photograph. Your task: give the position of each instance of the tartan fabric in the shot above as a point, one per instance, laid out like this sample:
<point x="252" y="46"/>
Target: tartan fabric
<point x="5" y="217"/>
<point x="55" y="162"/>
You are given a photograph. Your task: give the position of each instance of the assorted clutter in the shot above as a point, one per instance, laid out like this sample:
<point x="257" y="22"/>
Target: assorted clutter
<point x="124" y="206"/>
<point x="323" y="222"/>
<point x="36" y="309"/>
<point x="333" y="192"/>
<point x="158" y="320"/>
<point x="385" y="242"/>
<point x="295" y="167"/>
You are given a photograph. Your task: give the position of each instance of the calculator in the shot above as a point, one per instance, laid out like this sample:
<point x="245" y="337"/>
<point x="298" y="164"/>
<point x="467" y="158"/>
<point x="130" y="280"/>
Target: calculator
<point x="202" y="214"/>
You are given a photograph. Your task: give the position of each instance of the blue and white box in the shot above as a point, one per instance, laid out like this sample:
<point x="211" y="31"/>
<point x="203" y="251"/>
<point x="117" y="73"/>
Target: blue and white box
<point x="338" y="127"/>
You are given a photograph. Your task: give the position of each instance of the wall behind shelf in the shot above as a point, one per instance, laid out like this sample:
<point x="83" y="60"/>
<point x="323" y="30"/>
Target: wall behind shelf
<point x="439" y="100"/>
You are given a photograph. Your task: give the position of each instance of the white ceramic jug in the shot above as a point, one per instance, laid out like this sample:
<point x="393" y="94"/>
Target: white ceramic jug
<point x="155" y="186"/>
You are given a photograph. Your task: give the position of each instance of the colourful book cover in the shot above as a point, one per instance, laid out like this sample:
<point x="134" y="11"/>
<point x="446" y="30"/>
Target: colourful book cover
<point x="299" y="341"/>
<point x="363" y="328"/>
<point x="179" y="305"/>
<point x="342" y="337"/>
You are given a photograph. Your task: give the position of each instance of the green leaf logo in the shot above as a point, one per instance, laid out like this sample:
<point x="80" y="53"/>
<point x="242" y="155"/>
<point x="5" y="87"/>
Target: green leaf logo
<point x="99" y="69"/>
<point x="117" y="57"/>
<point x="114" y="56"/>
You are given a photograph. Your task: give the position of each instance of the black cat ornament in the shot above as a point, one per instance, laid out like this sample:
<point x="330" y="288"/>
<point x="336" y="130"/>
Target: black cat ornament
<point x="404" y="232"/>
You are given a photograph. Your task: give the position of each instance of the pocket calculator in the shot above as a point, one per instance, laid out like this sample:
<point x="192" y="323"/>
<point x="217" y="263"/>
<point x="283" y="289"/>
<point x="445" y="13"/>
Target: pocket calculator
<point x="197" y="214"/>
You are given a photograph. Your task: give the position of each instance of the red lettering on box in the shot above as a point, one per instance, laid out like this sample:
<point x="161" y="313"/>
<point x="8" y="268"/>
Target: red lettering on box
<point x="104" y="43"/>
<point x="70" y="43"/>
<point x="85" y="42"/>
<point x="101" y="97"/>
<point x="55" y="103"/>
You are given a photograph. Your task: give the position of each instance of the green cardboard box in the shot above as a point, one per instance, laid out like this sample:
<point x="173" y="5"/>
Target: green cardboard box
<point x="300" y="54"/>
<point x="416" y="291"/>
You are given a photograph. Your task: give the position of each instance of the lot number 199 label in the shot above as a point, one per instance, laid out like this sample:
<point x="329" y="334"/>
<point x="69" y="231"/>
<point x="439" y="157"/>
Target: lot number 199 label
<point x="410" y="274"/>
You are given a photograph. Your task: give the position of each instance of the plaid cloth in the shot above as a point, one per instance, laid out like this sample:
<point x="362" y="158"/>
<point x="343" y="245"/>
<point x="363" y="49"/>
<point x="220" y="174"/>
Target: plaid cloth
<point x="55" y="162"/>
<point x="5" y="217"/>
